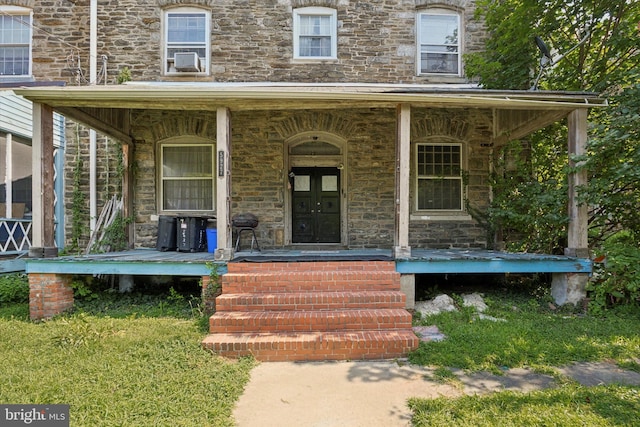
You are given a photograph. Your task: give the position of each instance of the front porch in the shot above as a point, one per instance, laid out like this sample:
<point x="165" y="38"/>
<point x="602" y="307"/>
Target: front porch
<point x="294" y="304"/>
<point x="150" y="262"/>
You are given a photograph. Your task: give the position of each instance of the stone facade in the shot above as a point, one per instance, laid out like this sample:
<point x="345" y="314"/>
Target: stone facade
<point x="260" y="165"/>
<point x="252" y="41"/>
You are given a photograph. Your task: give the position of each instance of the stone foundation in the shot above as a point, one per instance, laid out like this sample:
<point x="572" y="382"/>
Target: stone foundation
<point x="569" y="288"/>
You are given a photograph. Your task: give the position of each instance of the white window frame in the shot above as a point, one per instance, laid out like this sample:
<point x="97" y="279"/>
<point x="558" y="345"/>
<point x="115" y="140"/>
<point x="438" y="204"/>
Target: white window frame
<point x="23" y="12"/>
<point x="167" y="45"/>
<point x="162" y="179"/>
<point x="459" y="177"/>
<point x="420" y="43"/>
<point x="315" y="11"/>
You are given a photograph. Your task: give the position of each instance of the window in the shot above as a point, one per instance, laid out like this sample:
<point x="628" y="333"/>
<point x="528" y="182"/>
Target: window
<point x="187" y="182"/>
<point x="15" y="41"/>
<point x="438" y="43"/>
<point x="439" y="175"/>
<point x="315" y="33"/>
<point x="187" y="31"/>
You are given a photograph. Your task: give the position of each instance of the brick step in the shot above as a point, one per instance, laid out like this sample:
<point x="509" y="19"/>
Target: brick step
<point x="280" y="301"/>
<point x="308" y="321"/>
<point x="310" y="281"/>
<point x="314" y="346"/>
<point x="263" y="267"/>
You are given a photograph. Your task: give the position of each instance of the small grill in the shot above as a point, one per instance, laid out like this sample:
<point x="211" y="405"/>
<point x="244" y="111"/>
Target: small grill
<point x="245" y="220"/>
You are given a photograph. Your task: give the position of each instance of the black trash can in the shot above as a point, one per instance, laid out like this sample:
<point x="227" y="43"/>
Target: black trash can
<point x="166" y="233"/>
<point x="192" y="234"/>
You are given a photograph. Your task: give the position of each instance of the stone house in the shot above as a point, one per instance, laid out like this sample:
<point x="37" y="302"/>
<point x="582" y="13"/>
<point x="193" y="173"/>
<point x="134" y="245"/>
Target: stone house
<point x="347" y="127"/>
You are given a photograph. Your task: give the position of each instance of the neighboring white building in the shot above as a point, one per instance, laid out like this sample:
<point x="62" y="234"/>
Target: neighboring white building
<point x="16" y="128"/>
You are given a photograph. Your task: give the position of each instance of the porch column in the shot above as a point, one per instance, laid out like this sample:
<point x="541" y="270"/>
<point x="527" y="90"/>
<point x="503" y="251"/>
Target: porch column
<point x="8" y="177"/>
<point x="401" y="248"/>
<point x="43" y="236"/>
<point x="224" y="249"/>
<point x="571" y="287"/>
<point x="127" y="191"/>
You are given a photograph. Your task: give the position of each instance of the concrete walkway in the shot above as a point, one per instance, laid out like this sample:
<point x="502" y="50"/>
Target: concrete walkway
<point x="371" y="394"/>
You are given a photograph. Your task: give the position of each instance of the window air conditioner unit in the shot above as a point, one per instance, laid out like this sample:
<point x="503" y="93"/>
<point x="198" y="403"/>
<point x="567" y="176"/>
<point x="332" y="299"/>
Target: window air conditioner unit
<point x="187" y="61"/>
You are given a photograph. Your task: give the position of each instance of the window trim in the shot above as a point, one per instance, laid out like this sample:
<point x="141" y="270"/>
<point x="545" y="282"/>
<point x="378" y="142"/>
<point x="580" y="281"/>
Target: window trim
<point x="436" y="12"/>
<point x="165" y="42"/>
<point x="185" y="142"/>
<point x="418" y="177"/>
<point x="315" y="11"/>
<point x="21" y="11"/>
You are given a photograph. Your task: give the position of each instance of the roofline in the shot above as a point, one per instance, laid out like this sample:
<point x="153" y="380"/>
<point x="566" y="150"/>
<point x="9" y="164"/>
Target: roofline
<point x="134" y="93"/>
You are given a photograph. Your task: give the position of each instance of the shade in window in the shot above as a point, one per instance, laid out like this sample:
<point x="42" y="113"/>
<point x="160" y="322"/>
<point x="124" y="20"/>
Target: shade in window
<point x="187" y="178"/>
<point x="187" y="31"/>
<point x="315" y="33"/>
<point x="439" y="48"/>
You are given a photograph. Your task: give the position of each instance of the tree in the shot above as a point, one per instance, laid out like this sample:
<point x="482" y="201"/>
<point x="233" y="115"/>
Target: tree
<point x="532" y="198"/>
<point x="601" y="62"/>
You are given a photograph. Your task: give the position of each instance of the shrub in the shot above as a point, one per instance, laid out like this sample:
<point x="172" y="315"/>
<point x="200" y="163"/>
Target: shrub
<point x="616" y="280"/>
<point x="14" y="288"/>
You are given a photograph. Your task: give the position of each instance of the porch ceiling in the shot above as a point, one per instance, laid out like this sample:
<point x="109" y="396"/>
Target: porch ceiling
<point x="107" y="108"/>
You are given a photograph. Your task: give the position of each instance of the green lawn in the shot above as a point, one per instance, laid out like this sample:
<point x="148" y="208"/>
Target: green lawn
<point x="134" y="370"/>
<point x="137" y="360"/>
<point x="538" y="337"/>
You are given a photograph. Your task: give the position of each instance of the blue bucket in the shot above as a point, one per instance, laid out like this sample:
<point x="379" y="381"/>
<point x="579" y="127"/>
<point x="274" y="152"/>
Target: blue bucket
<point x="212" y="239"/>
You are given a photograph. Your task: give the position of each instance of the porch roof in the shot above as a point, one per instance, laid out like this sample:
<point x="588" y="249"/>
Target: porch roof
<point x="256" y="96"/>
<point x="107" y="108"/>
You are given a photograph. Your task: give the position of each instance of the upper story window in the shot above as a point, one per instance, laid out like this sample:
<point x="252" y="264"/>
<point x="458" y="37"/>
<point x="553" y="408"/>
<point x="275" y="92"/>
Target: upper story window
<point x="439" y="176"/>
<point x="439" y="43"/>
<point x="187" y="40"/>
<point x="187" y="177"/>
<point x="15" y="41"/>
<point x="315" y="34"/>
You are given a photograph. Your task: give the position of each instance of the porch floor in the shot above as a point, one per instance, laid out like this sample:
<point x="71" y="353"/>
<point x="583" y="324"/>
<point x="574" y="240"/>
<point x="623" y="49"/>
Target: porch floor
<point x="438" y="261"/>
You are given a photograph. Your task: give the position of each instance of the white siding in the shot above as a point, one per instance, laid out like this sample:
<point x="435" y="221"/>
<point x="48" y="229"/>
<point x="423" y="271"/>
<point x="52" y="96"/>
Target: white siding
<point x="15" y="118"/>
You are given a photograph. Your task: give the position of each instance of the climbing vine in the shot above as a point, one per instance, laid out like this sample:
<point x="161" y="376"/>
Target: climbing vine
<point x="78" y="207"/>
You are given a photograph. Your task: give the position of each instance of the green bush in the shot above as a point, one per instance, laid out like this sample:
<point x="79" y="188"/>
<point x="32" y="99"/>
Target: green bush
<point x="616" y="280"/>
<point x="14" y="288"/>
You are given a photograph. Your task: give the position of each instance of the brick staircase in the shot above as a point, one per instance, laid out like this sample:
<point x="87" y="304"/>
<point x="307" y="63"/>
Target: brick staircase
<point x="311" y="311"/>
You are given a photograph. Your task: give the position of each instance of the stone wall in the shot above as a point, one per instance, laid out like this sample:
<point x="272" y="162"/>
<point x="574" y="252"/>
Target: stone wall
<point x="250" y="40"/>
<point x="259" y="171"/>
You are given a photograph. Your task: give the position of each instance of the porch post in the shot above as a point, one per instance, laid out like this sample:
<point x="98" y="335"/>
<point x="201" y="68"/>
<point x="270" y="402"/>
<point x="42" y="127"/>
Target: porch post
<point x="8" y="177"/>
<point x="401" y="248"/>
<point x="571" y="287"/>
<point x="224" y="249"/>
<point x="42" y="179"/>
<point x="127" y="191"/>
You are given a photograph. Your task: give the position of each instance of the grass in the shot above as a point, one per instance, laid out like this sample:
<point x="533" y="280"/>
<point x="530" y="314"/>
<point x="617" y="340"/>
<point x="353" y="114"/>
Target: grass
<point x="566" y="406"/>
<point x="135" y="360"/>
<point x="534" y="336"/>
<point x="538" y="336"/>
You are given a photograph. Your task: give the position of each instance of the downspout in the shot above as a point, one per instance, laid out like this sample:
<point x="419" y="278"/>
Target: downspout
<point x="93" y="73"/>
